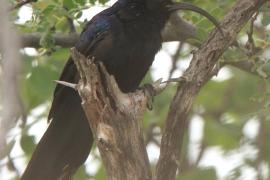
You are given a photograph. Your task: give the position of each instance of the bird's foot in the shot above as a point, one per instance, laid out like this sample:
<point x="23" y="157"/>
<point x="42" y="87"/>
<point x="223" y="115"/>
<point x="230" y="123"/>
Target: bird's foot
<point x="151" y="90"/>
<point x="149" y="93"/>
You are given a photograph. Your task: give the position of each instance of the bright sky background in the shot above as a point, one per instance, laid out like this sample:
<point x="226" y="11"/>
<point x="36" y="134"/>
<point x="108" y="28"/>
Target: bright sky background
<point x="223" y="163"/>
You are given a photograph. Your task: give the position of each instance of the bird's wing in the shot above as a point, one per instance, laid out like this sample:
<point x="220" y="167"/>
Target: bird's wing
<point x="93" y="33"/>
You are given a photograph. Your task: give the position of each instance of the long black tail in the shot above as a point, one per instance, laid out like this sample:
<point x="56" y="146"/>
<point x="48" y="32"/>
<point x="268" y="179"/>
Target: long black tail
<point x="67" y="142"/>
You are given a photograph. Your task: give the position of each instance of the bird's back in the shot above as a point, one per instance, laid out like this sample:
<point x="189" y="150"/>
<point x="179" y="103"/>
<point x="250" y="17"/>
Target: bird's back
<point x="127" y="43"/>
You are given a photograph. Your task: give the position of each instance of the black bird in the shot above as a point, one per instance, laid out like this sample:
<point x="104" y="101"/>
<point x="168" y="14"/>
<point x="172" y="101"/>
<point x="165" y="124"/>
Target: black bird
<point x="125" y="37"/>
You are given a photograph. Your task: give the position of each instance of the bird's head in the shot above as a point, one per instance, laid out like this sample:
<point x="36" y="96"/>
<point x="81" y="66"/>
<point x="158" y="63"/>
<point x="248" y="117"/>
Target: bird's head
<point x="165" y="8"/>
<point x="169" y="7"/>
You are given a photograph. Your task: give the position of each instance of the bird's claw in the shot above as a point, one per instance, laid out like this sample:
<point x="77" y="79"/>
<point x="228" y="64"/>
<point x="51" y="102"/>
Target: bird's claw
<point x="150" y="92"/>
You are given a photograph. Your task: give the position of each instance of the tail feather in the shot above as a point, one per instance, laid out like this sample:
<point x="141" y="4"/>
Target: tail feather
<point x="67" y="142"/>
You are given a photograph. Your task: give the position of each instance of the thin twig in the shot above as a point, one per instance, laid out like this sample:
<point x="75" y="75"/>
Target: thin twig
<point x="67" y="84"/>
<point x="70" y="22"/>
<point x="71" y="25"/>
<point x="12" y="166"/>
<point x="250" y="45"/>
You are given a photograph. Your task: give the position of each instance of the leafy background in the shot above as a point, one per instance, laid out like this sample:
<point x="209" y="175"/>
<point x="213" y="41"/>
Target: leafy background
<point x="229" y="129"/>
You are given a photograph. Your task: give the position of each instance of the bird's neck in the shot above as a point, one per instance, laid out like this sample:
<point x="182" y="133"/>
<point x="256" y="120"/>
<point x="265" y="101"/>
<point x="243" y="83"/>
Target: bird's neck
<point x="130" y="11"/>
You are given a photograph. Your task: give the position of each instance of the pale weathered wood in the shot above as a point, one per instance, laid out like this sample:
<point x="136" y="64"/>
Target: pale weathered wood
<point x="115" y="119"/>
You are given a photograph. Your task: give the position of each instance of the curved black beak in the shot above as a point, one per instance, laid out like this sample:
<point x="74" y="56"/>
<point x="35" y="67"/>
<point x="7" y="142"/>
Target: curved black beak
<point x="190" y="7"/>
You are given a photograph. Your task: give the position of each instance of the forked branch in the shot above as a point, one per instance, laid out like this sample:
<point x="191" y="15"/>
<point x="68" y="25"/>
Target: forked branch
<point x="202" y="67"/>
<point x="115" y="119"/>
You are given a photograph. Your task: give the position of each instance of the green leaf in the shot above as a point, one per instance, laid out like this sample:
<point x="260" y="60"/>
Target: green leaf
<point x="48" y="10"/>
<point x="226" y="136"/>
<point x="101" y="174"/>
<point x="81" y="174"/>
<point x="69" y="4"/>
<point x="81" y="2"/>
<point x="102" y="1"/>
<point x="38" y="74"/>
<point x="203" y="174"/>
<point x="266" y="19"/>
<point x="201" y="33"/>
<point x="61" y="24"/>
<point x="28" y="144"/>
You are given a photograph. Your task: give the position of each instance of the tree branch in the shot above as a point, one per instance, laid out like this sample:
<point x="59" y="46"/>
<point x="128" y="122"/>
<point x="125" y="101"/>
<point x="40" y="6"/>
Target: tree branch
<point x="245" y="65"/>
<point x="176" y="30"/>
<point x="115" y="120"/>
<point x="33" y="39"/>
<point x="198" y="73"/>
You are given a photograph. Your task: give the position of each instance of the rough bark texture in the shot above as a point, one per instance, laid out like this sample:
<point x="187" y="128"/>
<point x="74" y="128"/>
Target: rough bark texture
<point x="202" y="67"/>
<point x="115" y="119"/>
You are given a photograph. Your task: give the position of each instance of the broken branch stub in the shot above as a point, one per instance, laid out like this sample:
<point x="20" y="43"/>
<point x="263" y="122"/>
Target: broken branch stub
<point x="114" y="118"/>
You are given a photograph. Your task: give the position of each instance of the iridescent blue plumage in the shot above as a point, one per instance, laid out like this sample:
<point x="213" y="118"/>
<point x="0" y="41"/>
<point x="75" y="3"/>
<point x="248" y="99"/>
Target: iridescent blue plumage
<point x="91" y="34"/>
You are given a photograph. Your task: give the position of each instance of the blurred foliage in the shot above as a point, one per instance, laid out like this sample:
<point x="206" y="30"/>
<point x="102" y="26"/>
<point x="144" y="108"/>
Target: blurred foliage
<point x="225" y="107"/>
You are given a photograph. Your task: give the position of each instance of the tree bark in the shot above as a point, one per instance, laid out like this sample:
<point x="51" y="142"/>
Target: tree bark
<point x="10" y="61"/>
<point x="115" y="120"/>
